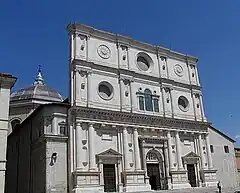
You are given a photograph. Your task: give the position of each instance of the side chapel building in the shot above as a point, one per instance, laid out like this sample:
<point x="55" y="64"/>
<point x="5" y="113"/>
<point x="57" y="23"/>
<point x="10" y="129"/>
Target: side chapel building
<point x="133" y="121"/>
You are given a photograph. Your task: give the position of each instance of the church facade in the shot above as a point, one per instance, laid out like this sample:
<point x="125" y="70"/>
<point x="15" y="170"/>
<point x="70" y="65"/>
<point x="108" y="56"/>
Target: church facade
<point x="136" y="118"/>
<point x="133" y="121"/>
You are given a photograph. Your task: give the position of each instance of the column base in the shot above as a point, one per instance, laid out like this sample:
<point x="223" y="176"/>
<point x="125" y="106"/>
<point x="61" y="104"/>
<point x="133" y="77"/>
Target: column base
<point x="209" y="177"/>
<point x="135" y="181"/>
<point x="86" y="181"/>
<point x="93" y="189"/>
<point x="180" y="180"/>
<point x="169" y="183"/>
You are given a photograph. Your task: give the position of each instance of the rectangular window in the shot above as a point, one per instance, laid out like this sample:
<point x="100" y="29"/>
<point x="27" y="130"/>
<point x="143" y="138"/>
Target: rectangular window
<point x="62" y="130"/>
<point x="141" y="103"/>
<point x="156" y="105"/>
<point x="226" y="149"/>
<point x="211" y="149"/>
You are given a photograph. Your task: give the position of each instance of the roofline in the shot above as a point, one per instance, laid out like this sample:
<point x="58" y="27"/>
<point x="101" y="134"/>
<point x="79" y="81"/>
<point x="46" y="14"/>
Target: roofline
<point x="221" y="133"/>
<point x="8" y="78"/>
<point x="126" y="40"/>
<point x="36" y="111"/>
<point x="237" y="148"/>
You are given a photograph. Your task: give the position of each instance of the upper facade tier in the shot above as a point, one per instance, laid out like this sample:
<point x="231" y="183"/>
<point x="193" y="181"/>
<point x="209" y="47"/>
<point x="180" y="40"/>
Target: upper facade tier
<point x="121" y="52"/>
<point x="118" y="73"/>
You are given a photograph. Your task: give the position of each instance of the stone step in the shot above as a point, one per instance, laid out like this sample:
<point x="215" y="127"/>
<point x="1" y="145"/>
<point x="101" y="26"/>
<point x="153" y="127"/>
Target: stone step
<point x="196" y="190"/>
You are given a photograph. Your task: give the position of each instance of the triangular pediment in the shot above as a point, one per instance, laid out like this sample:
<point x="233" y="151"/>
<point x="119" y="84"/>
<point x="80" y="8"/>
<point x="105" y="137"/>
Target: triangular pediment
<point x="191" y="155"/>
<point x="110" y="153"/>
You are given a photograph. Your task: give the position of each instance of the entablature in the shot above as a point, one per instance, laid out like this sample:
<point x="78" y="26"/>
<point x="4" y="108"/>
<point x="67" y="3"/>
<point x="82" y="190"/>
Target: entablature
<point x="138" y="120"/>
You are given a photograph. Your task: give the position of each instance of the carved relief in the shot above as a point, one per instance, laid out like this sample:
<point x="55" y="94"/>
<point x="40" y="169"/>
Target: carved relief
<point x="104" y="52"/>
<point x="178" y="70"/>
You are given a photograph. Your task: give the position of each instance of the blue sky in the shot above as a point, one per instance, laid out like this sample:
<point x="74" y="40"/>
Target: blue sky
<point x="33" y="33"/>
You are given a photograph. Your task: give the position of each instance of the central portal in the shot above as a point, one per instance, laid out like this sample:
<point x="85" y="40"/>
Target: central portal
<point x="109" y="177"/>
<point x="154" y="176"/>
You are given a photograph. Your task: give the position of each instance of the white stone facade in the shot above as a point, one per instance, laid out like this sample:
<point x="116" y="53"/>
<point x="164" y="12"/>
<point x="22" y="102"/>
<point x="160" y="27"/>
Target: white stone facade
<point x="134" y="121"/>
<point x="6" y="83"/>
<point x="136" y="114"/>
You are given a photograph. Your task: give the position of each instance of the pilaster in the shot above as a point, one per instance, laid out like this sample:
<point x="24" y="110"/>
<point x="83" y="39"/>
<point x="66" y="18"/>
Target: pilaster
<point x="136" y="150"/>
<point x="125" y="148"/>
<point x="91" y="147"/>
<point x="178" y="148"/>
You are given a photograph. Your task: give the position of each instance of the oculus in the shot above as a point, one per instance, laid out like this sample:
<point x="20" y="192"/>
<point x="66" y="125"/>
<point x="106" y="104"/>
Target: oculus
<point x="105" y="90"/>
<point x="183" y="103"/>
<point x="104" y="52"/>
<point x="144" y="61"/>
<point x="178" y="70"/>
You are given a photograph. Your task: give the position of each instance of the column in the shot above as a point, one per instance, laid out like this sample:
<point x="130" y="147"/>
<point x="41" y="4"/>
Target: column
<point x="131" y="94"/>
<point x="122" y="93"/>
<point x="171" y="100"/>
<point x="197" y="78"/>
<point x="178" y="148"/>
<point x="54" y="126"/>
<point x="210" y="164"/>
<point x="201" y="150"/>
<point x="189" y="74"/>
<point x="136" y="150"/>
<point x="201" y="105"/>
<point x="163" y="100"/>
<point x="194" y="105"/>
<point x="170" y="158"/>
<point x="125" y="148"/>
<point x="77" y="86"/>
<point x="166" y="159"/>
<point x="89" y="99"/>
<point x="78" y="145"/>
<point x="91" y="148"/>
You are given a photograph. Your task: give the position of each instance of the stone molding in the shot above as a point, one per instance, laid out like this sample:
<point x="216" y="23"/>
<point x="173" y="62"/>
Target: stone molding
<point x="145" y="120"/>
<point x="124" y="40"/>
<point x="87" y="66"/>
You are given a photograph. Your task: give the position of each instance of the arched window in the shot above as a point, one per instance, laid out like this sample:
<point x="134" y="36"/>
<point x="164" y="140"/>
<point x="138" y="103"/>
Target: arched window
<point x="148" y="100"/>
<point x="15" y="123"/>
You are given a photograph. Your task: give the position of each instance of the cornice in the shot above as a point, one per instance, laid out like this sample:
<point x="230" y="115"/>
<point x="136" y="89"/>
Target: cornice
<point x="133" y="118"/>
<point x="128" y="41"/>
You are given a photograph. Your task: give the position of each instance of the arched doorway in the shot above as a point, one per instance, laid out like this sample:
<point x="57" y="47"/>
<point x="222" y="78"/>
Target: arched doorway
<point x="155" y="170"/>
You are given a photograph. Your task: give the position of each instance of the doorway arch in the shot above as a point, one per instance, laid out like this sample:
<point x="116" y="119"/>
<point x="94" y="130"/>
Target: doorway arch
<point x="155" y="169"/>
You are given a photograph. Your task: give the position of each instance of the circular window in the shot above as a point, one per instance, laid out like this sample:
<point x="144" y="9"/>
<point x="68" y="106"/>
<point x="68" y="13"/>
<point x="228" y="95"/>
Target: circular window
<point x="183" y="103"/>
<point x="144" y="62"/>
<point x="105" y="90"/>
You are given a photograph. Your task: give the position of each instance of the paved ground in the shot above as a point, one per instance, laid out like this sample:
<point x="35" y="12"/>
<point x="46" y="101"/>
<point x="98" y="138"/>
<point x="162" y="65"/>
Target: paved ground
<point x="197" y="190"/>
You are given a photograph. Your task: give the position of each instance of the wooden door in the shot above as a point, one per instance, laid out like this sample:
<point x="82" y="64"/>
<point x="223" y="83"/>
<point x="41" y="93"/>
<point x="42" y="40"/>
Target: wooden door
<point x="109" y="175"/>
<point x="191" y="175"/>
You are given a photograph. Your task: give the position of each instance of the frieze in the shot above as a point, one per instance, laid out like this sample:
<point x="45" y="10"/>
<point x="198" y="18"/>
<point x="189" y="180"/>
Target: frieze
<point x="133" y="118"/>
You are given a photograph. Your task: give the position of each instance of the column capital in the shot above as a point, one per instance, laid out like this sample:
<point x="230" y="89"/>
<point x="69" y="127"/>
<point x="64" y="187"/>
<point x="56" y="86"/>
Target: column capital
<point x="90" y="124"/>
<point x="78" y="123"/>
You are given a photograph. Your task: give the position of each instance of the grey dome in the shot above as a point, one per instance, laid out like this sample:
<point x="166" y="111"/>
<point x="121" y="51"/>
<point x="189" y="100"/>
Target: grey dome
<point x="38" y="91"/>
